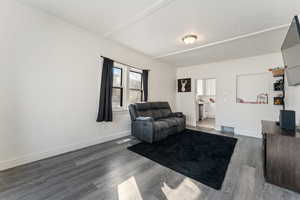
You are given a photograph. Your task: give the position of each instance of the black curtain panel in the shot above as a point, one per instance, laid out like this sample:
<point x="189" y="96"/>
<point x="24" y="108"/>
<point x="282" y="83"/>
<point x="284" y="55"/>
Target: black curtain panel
<point x="145" y="84"/>
<point x="105" y="104"/>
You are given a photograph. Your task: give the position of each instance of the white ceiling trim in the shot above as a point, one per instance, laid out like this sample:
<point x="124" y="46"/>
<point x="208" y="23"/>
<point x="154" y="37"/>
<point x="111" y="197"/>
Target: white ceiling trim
<point x="140" y="16"/>
<point x="223" y="41"/>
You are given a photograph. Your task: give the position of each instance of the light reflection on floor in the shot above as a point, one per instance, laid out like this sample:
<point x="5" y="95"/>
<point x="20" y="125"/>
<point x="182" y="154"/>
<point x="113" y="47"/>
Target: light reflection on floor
<point x="186" y="190"/>
<point x="128" y="190"/>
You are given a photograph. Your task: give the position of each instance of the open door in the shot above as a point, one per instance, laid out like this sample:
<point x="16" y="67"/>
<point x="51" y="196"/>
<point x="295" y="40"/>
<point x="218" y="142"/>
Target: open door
<point x="206" y="103"/>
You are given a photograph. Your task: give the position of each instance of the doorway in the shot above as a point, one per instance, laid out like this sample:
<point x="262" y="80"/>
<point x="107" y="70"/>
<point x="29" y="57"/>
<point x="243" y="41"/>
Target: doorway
<point x="206" y="103"/>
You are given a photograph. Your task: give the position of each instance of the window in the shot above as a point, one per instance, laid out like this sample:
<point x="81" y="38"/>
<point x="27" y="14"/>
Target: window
<point x="117" y="91"/>
<point x="127" y="87"/>
<point x="135" y="92"/>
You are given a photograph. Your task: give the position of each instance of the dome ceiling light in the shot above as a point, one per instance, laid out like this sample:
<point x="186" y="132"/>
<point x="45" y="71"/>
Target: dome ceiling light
<point x="189" y="39"/>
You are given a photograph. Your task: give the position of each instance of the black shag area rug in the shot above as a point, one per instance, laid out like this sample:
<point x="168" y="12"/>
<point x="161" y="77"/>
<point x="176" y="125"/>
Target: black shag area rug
<point x="198" y="155"/>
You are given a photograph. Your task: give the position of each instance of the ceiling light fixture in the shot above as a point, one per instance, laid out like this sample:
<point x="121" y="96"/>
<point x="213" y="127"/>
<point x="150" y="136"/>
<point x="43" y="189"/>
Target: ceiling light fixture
<point x="189" y="39"/>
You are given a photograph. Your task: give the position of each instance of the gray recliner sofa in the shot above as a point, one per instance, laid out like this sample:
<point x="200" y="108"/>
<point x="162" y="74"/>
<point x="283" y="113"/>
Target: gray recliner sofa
<point x="154" y="121"/>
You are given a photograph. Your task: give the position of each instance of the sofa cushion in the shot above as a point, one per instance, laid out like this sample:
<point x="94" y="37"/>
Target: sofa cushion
<point x="180" y="120"/>
<point x="160" y="125"/>
<point x="171" y="121"/>
<point x="160" y="109"/>
<point x="144" y="113"/>
<point x="165" y="112"/>
<point x="156" y="110"/>
<point x="160" y="105"/>
<point x="160" y="113"/>
<point x="143" y="106"/>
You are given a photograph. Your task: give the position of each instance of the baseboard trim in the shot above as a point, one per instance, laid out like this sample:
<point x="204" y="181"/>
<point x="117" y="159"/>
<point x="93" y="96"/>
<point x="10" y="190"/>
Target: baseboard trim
<point x="33" y="157"/>
<point x="191" y="124"/>
<point x="248" y="133"/>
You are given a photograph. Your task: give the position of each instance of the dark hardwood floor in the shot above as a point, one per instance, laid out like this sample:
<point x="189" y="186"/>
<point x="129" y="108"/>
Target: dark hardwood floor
<point x="109" y="171"/>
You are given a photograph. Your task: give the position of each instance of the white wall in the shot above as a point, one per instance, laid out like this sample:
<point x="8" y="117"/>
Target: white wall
<point x="244" y="117"/>
<point x="49" y="85"/>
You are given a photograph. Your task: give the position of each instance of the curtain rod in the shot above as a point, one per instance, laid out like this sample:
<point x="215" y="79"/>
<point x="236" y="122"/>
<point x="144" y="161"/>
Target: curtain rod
<point x="125" y="64"/>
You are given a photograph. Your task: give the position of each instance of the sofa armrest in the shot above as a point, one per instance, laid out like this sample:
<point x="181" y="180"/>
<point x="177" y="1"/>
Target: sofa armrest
<point x="176" y="114"/>
<point x="144" y="119"/>
<point x="143" y="129"/>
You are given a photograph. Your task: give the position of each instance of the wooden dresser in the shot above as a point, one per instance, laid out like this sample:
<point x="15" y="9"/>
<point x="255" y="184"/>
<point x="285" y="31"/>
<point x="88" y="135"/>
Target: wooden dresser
<point x="281" y="154"/>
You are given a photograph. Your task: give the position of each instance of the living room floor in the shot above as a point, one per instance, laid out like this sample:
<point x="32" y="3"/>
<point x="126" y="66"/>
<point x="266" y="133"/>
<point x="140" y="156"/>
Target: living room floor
<point x="207" y="123"/>
<point x="110" y="171"/>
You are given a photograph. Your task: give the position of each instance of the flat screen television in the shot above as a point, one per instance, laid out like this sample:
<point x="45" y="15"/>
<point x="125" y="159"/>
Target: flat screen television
<point x="291" y="53"/>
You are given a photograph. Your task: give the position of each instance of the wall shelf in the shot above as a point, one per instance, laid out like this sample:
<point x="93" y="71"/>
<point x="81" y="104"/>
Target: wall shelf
<point x="279" y="86"/>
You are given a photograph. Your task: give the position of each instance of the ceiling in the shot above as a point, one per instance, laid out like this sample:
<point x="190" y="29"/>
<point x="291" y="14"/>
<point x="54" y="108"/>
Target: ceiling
<point x="226" y="29"/>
